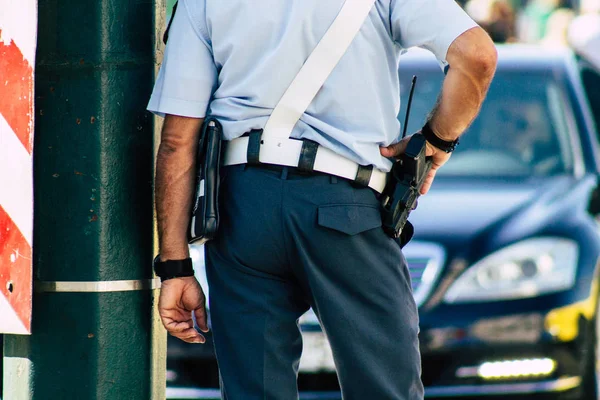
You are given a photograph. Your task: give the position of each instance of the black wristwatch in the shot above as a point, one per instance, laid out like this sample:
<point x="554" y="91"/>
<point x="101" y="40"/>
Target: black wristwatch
<point x="170" y="269"/>
<point x="435" y="140"/>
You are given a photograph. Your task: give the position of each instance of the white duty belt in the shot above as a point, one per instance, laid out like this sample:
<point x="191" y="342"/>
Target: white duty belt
<point x="273" y="145"/>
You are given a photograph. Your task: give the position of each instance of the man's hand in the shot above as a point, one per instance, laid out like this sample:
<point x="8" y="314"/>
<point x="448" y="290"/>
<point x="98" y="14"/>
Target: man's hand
<point x="179" y="298"/>
<point x="438" y="158"/>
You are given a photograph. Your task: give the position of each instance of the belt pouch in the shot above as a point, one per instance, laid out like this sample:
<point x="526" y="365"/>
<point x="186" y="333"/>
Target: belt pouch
<point x="204" y="221"/>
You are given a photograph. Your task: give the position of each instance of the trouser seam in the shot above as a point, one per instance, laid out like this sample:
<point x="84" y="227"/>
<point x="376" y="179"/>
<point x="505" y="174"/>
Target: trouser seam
<point x="264" y="366"/>
<point x="283" y="230"/>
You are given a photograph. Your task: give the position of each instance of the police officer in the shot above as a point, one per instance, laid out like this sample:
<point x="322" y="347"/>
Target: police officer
<point x="289" y="239"/>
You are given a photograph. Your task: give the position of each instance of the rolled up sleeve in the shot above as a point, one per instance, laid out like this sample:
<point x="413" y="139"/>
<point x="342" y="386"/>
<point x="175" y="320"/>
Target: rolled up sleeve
<point x="188" y="75"/>
<point x="430" y="24"/>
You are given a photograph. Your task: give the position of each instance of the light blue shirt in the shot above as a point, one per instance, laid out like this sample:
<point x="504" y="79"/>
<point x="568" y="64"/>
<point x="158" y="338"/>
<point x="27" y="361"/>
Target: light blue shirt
<point x="234" y="59"/>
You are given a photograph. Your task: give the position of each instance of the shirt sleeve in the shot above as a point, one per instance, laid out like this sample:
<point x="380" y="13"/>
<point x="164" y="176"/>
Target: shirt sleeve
<point x="188" y="76"/>
<point x="430" y="24"/>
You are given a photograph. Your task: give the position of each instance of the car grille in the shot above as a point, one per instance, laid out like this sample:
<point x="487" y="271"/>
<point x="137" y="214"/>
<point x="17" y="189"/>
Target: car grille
<point x="425" y="261"/>
<point x="417" y="267"/>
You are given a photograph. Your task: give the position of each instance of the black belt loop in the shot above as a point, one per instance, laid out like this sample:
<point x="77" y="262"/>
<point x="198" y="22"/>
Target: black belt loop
<point x="363" y="175"/>
<point x="254" y="142"/>
<point x="308" y="155"/>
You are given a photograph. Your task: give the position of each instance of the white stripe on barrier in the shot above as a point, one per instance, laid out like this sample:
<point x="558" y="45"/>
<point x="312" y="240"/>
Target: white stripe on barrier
<point x="10" y="320"/>
<point x="16" y="180"/>
<point x="18" y="22"/>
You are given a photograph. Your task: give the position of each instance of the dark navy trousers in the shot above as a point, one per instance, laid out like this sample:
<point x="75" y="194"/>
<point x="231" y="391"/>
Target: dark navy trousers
<point x="288" y="242"/>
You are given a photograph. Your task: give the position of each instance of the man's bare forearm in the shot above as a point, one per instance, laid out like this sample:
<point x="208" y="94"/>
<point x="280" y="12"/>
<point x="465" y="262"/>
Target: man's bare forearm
<point x="174" y="185"/>
<point x="472" y="58"/>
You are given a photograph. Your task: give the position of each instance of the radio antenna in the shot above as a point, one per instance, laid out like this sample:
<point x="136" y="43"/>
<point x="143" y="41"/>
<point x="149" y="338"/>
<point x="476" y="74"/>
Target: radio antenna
<point x="410" y="97"/>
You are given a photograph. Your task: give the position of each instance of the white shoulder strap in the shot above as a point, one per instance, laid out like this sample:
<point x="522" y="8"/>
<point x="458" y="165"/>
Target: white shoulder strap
<point x="317" y="68"/>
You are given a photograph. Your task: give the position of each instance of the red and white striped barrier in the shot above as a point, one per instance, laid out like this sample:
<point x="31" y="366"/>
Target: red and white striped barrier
<point x="18" y="34"/>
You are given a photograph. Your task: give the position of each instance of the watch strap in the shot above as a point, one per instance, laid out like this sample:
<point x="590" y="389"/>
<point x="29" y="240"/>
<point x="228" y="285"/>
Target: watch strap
<point x="436" y="141"/>
<point x="173" y="268"/>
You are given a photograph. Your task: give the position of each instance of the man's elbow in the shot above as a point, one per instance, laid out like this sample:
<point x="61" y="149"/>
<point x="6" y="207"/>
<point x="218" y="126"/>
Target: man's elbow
<point x="484" y="60"/>
<point x="180" y="134"/>
<point x="474" y="52"/>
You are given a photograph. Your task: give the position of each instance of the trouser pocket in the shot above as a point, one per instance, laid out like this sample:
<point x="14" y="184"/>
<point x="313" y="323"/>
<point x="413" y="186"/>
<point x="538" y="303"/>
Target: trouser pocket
<point x="350" y="219"/>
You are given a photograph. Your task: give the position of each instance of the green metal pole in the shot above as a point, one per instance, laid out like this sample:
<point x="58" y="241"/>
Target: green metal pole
<point x="94" y="328"/>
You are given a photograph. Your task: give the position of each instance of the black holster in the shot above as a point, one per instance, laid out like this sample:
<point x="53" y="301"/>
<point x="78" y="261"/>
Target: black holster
<point x="204" y="220"/>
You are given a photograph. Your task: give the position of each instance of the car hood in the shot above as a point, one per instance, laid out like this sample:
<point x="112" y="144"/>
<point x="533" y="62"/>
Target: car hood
<point x="460" y="210"/>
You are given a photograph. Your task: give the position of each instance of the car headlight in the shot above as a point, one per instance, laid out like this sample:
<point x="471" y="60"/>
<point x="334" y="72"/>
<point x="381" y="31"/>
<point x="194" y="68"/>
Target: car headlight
<point x="524" y="269"/>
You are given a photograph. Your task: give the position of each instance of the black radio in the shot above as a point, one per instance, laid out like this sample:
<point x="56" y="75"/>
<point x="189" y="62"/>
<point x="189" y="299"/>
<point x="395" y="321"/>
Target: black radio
<point x="404" y="183"/>
<point x="405" y="180"/>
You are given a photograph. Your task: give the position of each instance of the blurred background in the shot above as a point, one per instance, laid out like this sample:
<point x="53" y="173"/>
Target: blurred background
<point x="544" y="22"/>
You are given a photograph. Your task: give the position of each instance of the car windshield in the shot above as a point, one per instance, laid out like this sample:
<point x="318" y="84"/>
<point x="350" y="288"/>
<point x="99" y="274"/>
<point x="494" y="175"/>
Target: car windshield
<point x="522" y="128"/>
